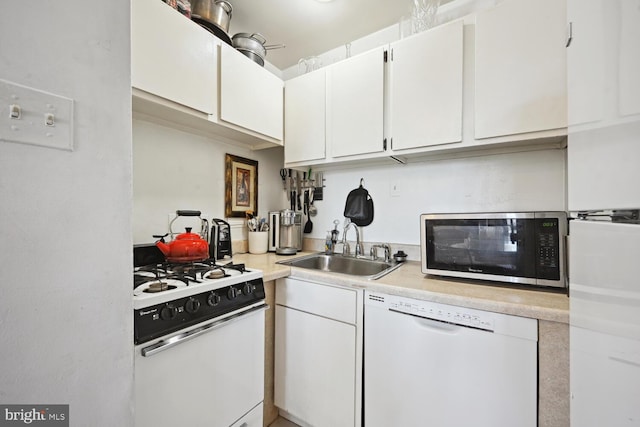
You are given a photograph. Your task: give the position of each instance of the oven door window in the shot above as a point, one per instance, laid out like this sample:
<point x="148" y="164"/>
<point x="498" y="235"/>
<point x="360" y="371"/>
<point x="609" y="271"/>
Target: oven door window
<point x="489" y="246"/>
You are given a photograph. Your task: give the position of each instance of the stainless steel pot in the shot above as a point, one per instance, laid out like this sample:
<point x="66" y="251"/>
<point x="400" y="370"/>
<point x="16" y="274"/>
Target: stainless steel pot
<point x="216" y="12"/>
<point x="253" y="46"/>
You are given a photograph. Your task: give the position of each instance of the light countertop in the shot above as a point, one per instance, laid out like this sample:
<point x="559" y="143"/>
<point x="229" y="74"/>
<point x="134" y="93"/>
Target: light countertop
<point x="409" y="281"/>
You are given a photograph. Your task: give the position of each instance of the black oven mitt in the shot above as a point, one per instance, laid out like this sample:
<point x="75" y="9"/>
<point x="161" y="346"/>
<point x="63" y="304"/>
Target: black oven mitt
<point x="359" y="207"/>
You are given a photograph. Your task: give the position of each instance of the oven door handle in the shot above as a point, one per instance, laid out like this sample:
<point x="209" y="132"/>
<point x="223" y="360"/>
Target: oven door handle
<point x="193" y="333"/>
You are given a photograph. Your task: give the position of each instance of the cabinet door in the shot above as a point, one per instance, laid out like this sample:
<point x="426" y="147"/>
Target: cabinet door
<point x="355" y="97"/>
<point x="250" y="96"/>
<point x="304" y="117"/>
<point x="426" y="88"/>
<point x="520" y="69"/>
<point x="315" y="368"/>
<point x="603" y="61"/>
<point x="629" y="87"/>
<point x="172" y="57"/>
<point x="604" y="104"/>
<point x="586" y="61"/>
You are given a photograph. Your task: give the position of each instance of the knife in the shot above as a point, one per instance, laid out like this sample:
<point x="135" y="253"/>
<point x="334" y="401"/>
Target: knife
<point x="299" y="192"/>
<point x="289" y="185"/>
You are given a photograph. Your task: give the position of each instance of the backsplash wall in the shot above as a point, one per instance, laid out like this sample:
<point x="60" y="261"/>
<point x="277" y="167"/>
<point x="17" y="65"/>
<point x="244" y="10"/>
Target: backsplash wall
<point x="525" y="181"/>
<point x="176" y="170"/>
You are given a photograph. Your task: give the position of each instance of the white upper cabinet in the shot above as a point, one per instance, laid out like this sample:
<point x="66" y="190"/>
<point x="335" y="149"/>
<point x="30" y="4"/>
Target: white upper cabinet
<point x="172" y="57"/>
<point x="250" y="96"/>
<point x="604" y="104"/>
<point x="603" y="61"/>
<point x="520" y="68"/>
<point x="185" y="77"/>
<point x="426" y="88"/>
<point x="355" y="105"/>
<point x="629" y="87"/>
<point x="304" y="110"/>
<point x="586" y="61"/>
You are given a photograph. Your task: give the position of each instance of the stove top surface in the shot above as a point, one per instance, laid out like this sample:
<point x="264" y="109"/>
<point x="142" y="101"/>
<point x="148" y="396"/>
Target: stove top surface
<point x="165" y="282"/>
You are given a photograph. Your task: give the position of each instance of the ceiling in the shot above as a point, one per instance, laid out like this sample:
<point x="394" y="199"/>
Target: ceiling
<point x="311" y="27"/>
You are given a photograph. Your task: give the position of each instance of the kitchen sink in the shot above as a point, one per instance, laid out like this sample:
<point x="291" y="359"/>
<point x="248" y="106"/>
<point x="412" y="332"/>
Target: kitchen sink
<point x="362" y="267"/>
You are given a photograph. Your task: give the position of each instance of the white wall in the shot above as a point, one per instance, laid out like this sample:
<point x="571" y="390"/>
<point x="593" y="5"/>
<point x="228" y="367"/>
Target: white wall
<point x="177" y="170"/>
<point x="65" y="229"/>
<point x="526" y="181"/>
<point x="446" y="12"/>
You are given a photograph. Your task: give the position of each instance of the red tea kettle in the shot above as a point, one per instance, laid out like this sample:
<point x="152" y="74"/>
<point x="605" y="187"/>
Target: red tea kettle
<point x="187" y="247"/>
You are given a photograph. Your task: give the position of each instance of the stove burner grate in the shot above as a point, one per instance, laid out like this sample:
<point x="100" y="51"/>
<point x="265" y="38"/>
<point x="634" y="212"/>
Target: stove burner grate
<point x="188" y="273"/>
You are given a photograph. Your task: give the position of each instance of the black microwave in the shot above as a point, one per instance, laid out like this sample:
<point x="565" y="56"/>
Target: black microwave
<point x="519" y="247"/>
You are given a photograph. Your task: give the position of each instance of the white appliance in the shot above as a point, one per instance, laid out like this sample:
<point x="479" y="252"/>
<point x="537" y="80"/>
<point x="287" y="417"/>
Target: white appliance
<point x="199" y="345"/>
<point x="603" y="62"/>
<point x="430" y="364"/>
<point x="605" y="324"/>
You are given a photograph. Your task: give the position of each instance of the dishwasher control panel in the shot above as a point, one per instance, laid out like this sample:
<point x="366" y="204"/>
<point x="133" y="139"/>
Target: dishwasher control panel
<point x="430" y="310"/>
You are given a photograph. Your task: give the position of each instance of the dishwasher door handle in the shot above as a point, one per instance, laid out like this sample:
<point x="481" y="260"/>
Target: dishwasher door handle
<point x="437" y="324"/>
<point x="193" y="333"/>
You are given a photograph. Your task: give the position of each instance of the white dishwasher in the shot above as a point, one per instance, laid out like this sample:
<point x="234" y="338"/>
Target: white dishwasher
<point x="429" y="364"/>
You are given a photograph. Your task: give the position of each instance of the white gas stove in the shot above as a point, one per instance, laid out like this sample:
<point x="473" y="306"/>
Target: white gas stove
<point x="199" y="344"/>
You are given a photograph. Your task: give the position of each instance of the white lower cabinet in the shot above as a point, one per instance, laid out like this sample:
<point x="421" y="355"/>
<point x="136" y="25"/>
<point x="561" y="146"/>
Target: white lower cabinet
<point x="254" y="418"/>
<point x="318" y="353"/>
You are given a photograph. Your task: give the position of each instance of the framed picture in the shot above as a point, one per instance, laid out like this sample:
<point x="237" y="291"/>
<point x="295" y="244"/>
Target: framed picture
<point x="241" y="186"/>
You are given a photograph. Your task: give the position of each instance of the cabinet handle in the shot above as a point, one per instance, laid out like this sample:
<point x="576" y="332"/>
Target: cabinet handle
<point x="384" y="144"/>
<point x="570" y="34"/>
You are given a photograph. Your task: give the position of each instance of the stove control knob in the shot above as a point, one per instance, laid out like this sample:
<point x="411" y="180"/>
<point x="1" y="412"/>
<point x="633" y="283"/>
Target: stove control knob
<point x="213" y="299"/>
<point x="192" y="305"/>
<point x="168" y="312"/>
<point x="232" y="293"/>
<point x="247" y="289"/>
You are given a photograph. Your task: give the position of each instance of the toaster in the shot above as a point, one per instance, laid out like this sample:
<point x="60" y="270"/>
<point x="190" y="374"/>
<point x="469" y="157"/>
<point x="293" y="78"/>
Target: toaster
<point x="220" y="239"/>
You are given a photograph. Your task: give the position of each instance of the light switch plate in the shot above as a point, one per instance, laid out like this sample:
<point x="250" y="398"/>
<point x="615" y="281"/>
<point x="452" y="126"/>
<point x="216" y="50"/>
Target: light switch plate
<point x="45" y="119"/>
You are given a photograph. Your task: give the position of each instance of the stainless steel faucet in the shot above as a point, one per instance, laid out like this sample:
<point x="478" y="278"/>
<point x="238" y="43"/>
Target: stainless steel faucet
<point x="346" y="250"/>
<point x="387" y="251"/>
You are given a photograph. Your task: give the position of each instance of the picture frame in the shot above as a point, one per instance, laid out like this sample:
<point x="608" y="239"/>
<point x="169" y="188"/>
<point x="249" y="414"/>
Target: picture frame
<point x="241" y="186"/>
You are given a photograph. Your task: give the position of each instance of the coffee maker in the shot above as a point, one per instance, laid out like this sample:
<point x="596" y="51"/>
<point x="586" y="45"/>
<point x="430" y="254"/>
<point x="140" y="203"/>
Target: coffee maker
<point x="285" y="232"/>
<point x="220" y="244"/>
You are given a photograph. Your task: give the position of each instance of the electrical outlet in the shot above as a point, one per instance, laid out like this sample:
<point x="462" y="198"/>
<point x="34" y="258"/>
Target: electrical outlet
<point x="34" y="117"/>
<point x="394" y="189"/>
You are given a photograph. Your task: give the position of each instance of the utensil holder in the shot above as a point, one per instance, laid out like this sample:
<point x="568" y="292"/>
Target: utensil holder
<point x="258" y="242"/>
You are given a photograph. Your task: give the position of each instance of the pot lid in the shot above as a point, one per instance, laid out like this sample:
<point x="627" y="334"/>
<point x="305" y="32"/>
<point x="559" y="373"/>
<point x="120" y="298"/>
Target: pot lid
<point x="254" y="36"/>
